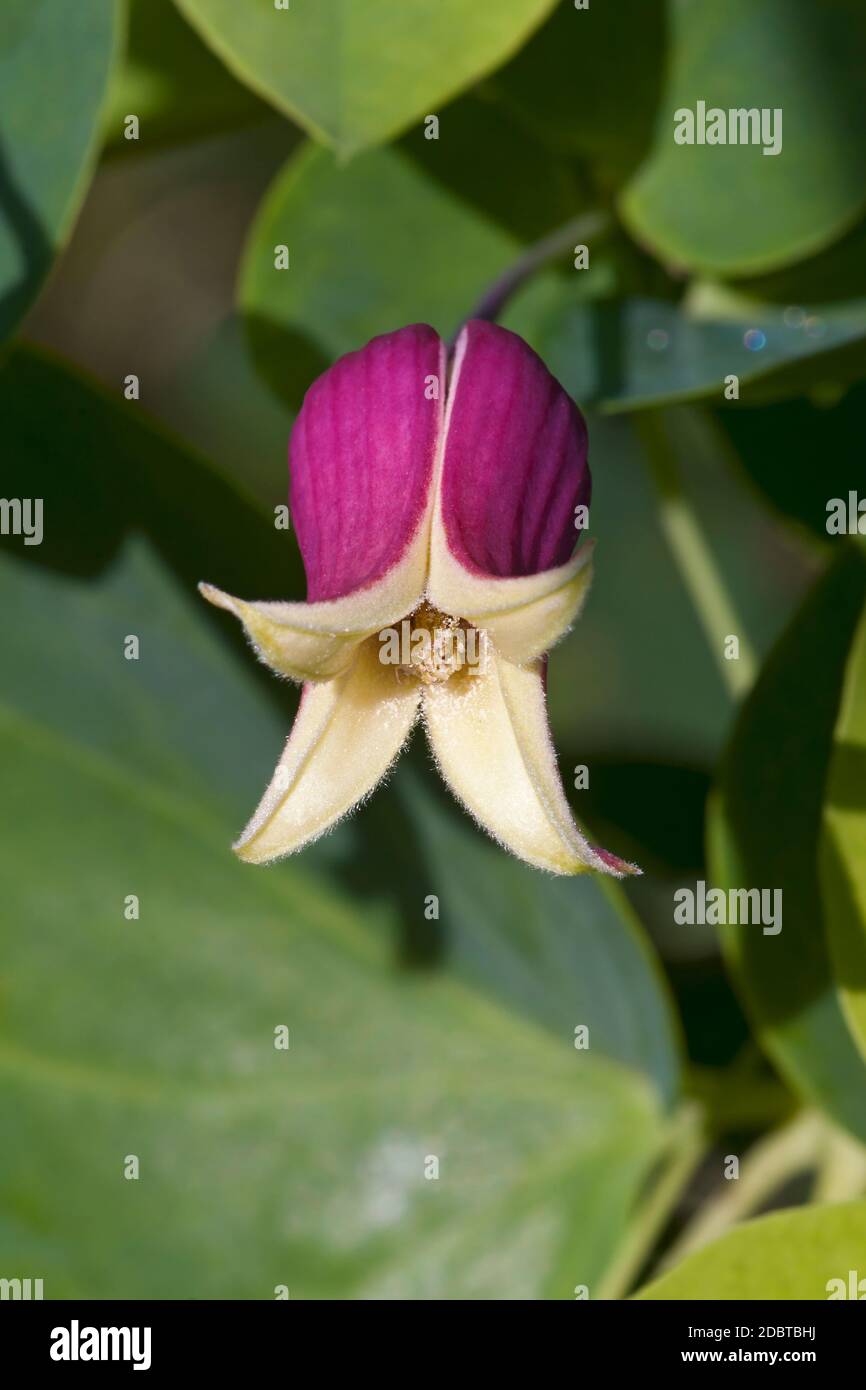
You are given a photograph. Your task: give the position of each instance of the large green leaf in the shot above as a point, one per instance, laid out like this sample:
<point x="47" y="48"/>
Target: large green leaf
<point x="372" y="247"/>
<point x="788" y="1255"/>
<point x="844" y="844"/>
<point x="564" y="952"/>
<point x="731" y="208"/>
<point x="627" y="354"/>
<point x="358" y="240"/>
<point x="155" y="1037"/>
<point x="55" y="63"/>
<point x="357" y="72"/>
<point x="764" y="831"/>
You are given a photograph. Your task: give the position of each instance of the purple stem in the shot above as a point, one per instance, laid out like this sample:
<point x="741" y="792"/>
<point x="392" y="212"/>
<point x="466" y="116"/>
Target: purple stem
<point x="549" y="248"/>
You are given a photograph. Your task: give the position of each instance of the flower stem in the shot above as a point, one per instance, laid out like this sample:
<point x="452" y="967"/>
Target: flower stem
<point x="573" y="233"/>
<point x="697" y="565"/>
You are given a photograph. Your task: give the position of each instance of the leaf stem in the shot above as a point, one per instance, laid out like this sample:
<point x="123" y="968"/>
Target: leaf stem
<point x="686" y="1144"/>
<point x="841" y="1173"/>
<point x="575" y="232"/>
<point x="769" y="1164"/>
<point x="697" y="565"/>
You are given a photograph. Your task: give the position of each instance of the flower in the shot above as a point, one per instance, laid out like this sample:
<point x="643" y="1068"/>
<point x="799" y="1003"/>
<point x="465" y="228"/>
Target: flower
<point x="435" y="523"/>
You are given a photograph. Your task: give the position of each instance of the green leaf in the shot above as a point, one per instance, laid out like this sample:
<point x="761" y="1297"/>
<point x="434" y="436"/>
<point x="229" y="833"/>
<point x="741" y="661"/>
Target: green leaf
<point x="582" y="88"/>
<point x="55" y="63"/>
<point x="372" y="247"/>
<point x="787" y="1255"/>
<point x="173" y="83"/>
<point x="155" y="1037"/>
<point x="839" y="272"/>
<point x="732" y="209"/>
<point x="764" y="828"/>
<point x="627" y="354"/>
<point x="358" y="72"/>
<point x="564" y="952"/>
<point x="484" y="153"/>
<point x="104" y="468"/>
<point x="843" y="854"/>
<point x="631" y="703"/>
<point x="799" y="432"/>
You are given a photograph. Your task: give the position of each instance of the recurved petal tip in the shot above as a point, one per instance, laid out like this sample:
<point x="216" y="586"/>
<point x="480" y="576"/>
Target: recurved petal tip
<point x="219" y="599"/>
<point x="346" y="735"/>
<point x="491" y="741"/>
<point x="620" y="868"/>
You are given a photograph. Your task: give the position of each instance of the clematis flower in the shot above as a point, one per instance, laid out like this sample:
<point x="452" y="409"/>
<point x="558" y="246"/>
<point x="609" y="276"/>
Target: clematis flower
<point x="426" y="506"/>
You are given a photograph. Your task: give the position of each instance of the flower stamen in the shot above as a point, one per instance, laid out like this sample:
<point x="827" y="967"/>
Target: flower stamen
<point x="431" y="646"/>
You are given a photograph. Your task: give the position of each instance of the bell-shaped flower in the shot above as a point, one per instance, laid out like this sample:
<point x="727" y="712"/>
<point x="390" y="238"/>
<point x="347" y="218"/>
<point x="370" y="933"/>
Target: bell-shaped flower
<point x="436" y="519"/>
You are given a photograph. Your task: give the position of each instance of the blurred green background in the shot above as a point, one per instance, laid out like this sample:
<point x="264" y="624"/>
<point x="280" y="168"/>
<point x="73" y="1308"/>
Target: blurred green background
<point x="559" y="1169"/>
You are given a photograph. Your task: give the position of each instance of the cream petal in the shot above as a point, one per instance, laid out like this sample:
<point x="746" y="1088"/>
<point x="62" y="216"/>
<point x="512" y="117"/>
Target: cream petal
<point x="317" y="641"/>
<point x="490" y="738"/>
<point x="346" y="734"/>
<point x="524" y="616"/>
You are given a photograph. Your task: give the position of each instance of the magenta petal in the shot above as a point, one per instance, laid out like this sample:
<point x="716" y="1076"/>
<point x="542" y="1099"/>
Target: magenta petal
<point x="515" y="463"/>
<point x="361" y="460"/>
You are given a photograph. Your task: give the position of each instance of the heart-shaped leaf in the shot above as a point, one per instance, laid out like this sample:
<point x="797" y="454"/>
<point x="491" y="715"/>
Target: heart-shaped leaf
<point x="730" y="207"/>
<point x="357" y="72"/>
